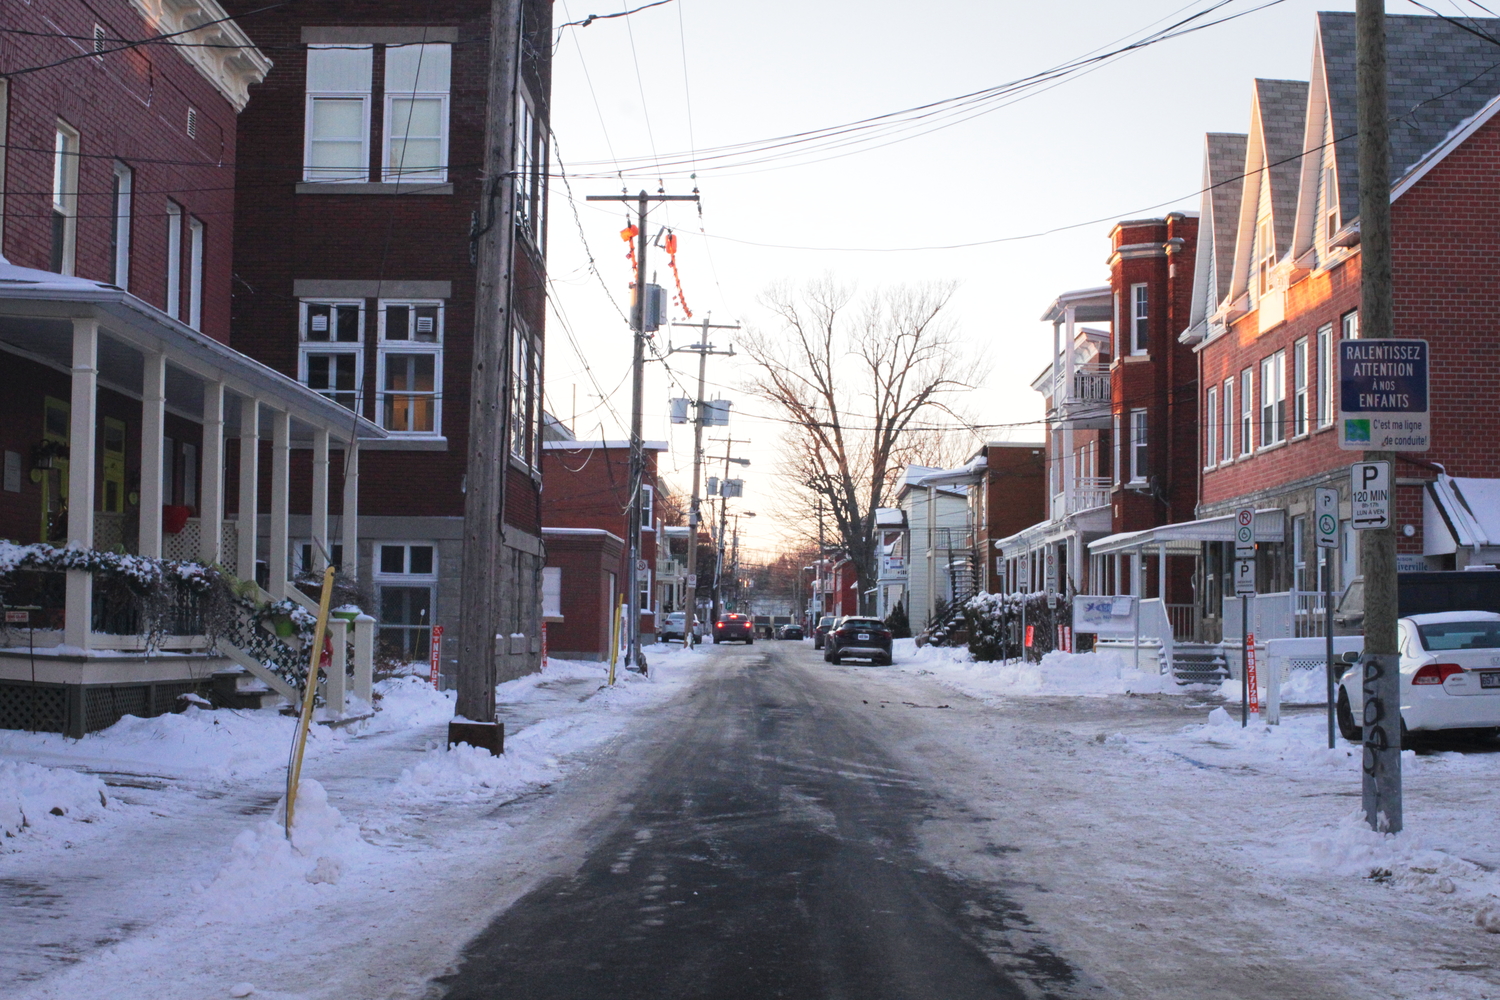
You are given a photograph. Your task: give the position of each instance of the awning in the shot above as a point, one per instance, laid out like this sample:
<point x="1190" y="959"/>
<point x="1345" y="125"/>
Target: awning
<point x="1460" y="513"/>
<point x="1185" y="537"/>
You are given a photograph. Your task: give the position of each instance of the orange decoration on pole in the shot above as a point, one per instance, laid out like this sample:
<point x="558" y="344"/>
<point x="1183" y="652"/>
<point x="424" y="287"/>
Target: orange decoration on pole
<point x="671" y="246"/>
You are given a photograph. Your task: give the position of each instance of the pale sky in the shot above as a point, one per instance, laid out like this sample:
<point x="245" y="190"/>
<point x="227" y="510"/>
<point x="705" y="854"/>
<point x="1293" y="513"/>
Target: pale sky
<point x="694" y="74"/>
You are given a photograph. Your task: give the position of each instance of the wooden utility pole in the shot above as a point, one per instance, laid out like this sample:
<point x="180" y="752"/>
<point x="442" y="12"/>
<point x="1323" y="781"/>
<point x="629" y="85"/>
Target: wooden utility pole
<point x="1381" y="661"/>
<point x="484" y="487"/>
<point x="703" y="349"/>
<point x="637" y="390"/>
<point x="729" y="444"/>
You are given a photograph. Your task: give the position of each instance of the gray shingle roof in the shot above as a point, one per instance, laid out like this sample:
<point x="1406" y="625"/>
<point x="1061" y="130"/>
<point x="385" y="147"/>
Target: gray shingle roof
<point x="1438" y="74"/>
<point x="1283" y="122"/>
<point x="1225" y="154"/>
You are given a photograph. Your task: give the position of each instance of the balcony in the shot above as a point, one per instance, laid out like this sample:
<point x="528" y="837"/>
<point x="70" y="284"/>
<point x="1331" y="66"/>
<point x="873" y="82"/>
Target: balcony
<point x="1086" y="493"/>
<point x="1086" y="403"/>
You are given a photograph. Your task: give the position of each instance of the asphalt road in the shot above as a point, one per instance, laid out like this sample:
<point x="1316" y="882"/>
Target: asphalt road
<point x="770" y="851"/>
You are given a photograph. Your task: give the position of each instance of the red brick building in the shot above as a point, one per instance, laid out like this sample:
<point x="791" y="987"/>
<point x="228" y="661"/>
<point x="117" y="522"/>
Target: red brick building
<point x="358" y="184"/>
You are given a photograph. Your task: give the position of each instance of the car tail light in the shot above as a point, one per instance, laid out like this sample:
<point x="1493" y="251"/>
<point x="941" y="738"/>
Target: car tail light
<point x="718" y="624"/>
<point x="1436" y="673"/>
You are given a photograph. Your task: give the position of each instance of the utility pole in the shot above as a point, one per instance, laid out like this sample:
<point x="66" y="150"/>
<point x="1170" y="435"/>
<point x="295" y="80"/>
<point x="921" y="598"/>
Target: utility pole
<point x="818" y="581"/>
<point x="729" y="444"/>
<point x="485" y="482"/>
<point x="703" y="349"/>
<point x="637" y="392"/>
<point x="1381" y="661"/>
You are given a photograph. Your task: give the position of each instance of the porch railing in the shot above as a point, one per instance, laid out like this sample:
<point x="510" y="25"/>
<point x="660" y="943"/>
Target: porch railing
<point x="1085" y="493"/>
<point x="119" y="532"/>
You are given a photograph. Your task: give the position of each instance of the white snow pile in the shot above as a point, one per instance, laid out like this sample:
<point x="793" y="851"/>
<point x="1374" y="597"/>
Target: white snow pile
<point x="267" y="874"/>
<point x="46" y="802"/>
<point x="1299" y="687"/>
<point x="1058" y="673"/>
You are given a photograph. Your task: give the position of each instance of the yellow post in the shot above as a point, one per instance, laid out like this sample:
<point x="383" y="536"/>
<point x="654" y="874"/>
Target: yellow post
<point x="614" y="639"/>
<point x="309" y="693"/>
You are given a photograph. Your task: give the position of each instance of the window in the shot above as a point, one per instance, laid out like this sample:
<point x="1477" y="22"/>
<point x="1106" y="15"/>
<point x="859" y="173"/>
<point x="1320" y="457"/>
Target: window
<point x="337" y="113"/>
<point x="1116" y="329"/>
<point x="195" y="273"/>
<point x="1330" y="204"/>
<point x="174" y="260"/>
<point x="1300" y="413"/>
<point x="1266" y="254"/>
<point x="1247" y="411"/>
<point x="1228" y="419"/>
<point x="1117" y="438"/>
<point x="1325" y="375"/>
<point x="64" y="199"/>
<point x="416" y="112"/>
<point x="119" y="227"/>
<point x="1140" y="320"/>
<point x="1139" y="468"/>
<point x="331" y="335"/>
<point x="1301" y="575"/>
<point x="405" y="581"/>
<point x="1273" y="399"/>
<point x="648" y="503"/>
<point x="1349" y="324"/>
<point x="523" y="359"/>
<point x="1211" y="429"/>
<point x="531" y="169"/>
<point x="552" y="592"/>
<point x="411" y="366"/>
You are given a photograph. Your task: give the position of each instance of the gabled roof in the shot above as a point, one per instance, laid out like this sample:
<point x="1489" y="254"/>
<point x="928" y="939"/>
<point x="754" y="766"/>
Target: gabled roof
<point x="1223" y="189"/>
<point x="1278" y="117"/>
<point x="1438" y="75"/>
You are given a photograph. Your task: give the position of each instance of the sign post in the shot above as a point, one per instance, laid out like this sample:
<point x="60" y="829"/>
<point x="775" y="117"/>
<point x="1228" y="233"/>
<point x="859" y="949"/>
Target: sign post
<point x="1326" y="532"/>
<point x="1244" y="588"/>
<point x="1252" y="684"/>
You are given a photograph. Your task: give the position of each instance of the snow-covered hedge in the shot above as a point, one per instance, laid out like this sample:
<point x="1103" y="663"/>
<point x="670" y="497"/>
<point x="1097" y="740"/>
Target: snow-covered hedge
<point x="994" y="623"/>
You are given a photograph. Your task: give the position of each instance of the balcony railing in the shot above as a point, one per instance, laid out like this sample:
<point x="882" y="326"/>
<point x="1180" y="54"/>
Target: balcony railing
<point x="1086" y="493"/>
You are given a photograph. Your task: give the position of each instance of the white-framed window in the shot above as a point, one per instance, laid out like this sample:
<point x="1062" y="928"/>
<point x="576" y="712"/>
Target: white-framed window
<point x="195" y="273"/>
<point x="411" y="366"/>
<point x="552" y="577"/>
<point x="119" y="224"/>
<point x="174" y="260"/>
<point x="531" y="168"/>
<point x="1247" y="411"/>
<point x="65" y="199"/>
<point x="648" y="505"/>
<point x="1326" y="381"/>
<point x="1349" y="325"/>
<point x="1211" y="428"/>
<point x="1300" y="412"/>
<point x="1116" y="436"/>
<point x="331" y="348"/>
<point x="416" y="111"/>
<point x="1117" y="331"/>
<point x="303" y="561"/>
<point x="1273" y="399"/>
<point x="1228" y="453"/>
<point x="1302" y="574"/>
<point x="405" y="577"/>
<point x="1330" y="204"/>
<point x="1266" y="255"/>
<point x="1139" y="464"/>
<point x="337" y="127"/>
<point x="1140" y="319"/>
<point x="523" y="400"/>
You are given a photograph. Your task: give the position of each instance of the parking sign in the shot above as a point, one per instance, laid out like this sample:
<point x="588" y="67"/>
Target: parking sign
<point x="1326" y="518"/>
<point x="1370" y="495"/>
<point x="1244" y="533"/>
<point x="1244" y="578"/>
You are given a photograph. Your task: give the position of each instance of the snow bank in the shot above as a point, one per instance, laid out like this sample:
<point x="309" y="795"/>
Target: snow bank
<point x="1058" y="673"/>
<point x="1301" y="687"/>
<point x="43" y="803"/>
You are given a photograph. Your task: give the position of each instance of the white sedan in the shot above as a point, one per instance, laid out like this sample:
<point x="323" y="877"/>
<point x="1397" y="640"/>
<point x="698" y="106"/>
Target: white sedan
<point x="1450" y="675"/>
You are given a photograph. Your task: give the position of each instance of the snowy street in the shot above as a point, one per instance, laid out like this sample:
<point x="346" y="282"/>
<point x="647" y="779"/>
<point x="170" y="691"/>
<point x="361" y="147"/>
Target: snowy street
<point x="750" y="821"/>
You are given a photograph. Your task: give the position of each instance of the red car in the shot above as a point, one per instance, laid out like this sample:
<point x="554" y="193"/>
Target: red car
<point x="732" y="626"/>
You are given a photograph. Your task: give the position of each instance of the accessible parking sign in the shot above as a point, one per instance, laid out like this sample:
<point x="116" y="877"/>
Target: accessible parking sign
<point x="1383" y="393"/>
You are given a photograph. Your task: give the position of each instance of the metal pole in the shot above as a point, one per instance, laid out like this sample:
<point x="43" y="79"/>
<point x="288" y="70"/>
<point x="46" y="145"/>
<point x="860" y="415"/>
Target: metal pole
<point x="1244" y="661"/>
<point x="694" y="510"/>
<point x="1381" y="662"/>
<point x="1328" y="630"/>
<point x="1138" y="586"/>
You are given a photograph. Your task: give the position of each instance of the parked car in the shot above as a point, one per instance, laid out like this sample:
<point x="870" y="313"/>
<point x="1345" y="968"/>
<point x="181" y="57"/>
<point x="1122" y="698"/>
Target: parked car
<point x="1420" y="594"/>
<point x="675" y="626"/>
<point x="734" y="627"/>
<point x="821" y="630"/>
<point x="789" y="632"/>
<point x="862" y="638"/>
<point x="1450" y="676"/>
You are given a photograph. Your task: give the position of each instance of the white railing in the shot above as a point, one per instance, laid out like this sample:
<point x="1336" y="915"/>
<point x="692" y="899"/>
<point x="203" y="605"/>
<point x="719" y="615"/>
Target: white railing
<point x="1087" y="492"/>
<point x="1090" y="384"/>
<point x="1311" y="617"/>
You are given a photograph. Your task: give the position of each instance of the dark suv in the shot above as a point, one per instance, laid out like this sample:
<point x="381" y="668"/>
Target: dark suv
<point x="821" y="630"/>
<point x="734" y="627"/>
<point x="863" y="638"/>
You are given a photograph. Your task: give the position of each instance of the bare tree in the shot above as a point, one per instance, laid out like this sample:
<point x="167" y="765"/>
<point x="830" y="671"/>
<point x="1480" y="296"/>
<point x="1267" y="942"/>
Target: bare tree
<point x="856" y="378"/>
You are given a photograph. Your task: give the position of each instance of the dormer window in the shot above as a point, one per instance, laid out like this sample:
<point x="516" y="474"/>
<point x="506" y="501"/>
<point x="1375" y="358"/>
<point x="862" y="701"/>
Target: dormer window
<point x="1267" y="255"/>
<point x="1330" y="204"/>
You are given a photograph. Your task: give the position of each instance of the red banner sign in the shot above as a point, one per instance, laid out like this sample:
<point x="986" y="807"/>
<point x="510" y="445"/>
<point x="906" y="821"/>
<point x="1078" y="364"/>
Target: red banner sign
<point x="437" y="652"/>
<point x="1030" y="635"/>
<point x="1251" y="683"/>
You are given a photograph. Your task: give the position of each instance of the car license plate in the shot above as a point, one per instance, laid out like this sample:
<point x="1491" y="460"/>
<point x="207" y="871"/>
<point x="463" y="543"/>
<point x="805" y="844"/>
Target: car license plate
<point x="1489" y="679"/>
<point x="863" y="635"/>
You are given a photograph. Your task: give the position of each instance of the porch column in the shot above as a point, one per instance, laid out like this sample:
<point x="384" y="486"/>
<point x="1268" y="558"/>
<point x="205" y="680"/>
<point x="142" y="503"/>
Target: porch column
<point x="249" y="486"/>
<point x="1119" y="574"/>
<point x="281" y="483"/>
<point x="211" y="496"/>
<point x="350" y="566"/>
<point x="1069" y="480"/>
<point x="79" y="596"/>
<point x="319" y="526"/>
<point x="1138" y="570"/>
<point x="153" y="429"/>
<point x="1161" y="572"/>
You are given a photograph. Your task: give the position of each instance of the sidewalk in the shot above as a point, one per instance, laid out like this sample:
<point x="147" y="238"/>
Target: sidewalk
<point x="160" y="834"/>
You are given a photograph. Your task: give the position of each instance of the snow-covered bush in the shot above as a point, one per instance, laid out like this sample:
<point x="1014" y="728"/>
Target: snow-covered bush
<point x="996" y="624"/>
